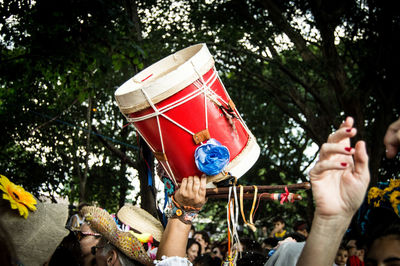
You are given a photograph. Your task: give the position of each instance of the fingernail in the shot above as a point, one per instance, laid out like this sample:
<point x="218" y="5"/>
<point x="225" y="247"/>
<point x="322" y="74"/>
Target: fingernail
<point x="343" y="164"/>
<point x="348" y="130"/>
<point x="348" y="149"/>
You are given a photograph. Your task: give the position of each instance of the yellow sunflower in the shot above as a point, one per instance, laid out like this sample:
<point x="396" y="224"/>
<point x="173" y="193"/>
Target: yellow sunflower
<point x="18" y="197"/>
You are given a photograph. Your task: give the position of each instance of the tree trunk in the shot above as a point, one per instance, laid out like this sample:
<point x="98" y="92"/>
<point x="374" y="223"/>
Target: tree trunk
<point x="123" y="181"/>
<point x="83" y="179"/>
<point x="146" y="174"/>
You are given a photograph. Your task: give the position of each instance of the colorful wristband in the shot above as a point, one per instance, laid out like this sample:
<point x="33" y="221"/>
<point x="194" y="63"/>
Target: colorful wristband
<point x="185" y="216"/>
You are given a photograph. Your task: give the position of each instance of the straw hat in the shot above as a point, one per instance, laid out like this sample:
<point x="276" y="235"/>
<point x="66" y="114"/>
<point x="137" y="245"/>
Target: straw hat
<point x="140" y="220"/>
<point x="102" y="222"/>
<point x="35" y="238"/>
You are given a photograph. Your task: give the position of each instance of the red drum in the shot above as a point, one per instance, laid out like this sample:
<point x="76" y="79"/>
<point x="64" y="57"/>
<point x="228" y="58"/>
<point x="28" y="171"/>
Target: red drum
<point x="179" y="103"/>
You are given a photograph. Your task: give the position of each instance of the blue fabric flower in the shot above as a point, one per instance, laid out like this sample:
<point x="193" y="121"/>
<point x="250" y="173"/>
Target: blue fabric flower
<point x="211" y="157"/>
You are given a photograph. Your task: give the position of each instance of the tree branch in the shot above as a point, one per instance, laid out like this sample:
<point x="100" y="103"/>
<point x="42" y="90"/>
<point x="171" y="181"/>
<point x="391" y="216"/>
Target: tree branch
<point x="124" y="158"/>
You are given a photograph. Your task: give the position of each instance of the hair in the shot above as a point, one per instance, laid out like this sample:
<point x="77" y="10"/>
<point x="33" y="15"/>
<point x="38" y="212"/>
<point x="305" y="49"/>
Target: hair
<point x="251" y="258"/>
<point x="68" y="252"/>
<point x="343" y="247"/>
<point x="204" y="234"/>
<point x="381" y="222"/>
<point x="122" y="258"/>
<point x="271" y="241"/>
<point x="250" y="245"/>
<point x="222" y="246"/>
<point x="278" y="219"/>
<point x="191" y="242"/>
<point x="297" y="236"/>
<point x="301" y="225"/>
<point x="81" y="205"/>
<point x="381" y="231"/>
<point x="207" y="260"/>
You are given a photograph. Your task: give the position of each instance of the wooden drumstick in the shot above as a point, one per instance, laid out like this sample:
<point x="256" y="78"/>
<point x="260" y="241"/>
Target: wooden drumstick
<point x="265" y="196"/>
<point x="261" y="189"/>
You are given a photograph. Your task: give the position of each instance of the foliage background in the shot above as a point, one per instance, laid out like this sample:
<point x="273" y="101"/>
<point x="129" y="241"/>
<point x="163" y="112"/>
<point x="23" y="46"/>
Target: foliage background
<point x="295" y="69"/>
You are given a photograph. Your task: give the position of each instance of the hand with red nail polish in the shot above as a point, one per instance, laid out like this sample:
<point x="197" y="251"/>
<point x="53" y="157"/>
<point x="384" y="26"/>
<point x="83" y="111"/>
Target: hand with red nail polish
<point x="339" y="181"/>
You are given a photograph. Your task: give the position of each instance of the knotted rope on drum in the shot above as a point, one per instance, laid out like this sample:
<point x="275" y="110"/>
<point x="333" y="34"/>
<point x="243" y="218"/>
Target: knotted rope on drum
<point x="156" y="113"/>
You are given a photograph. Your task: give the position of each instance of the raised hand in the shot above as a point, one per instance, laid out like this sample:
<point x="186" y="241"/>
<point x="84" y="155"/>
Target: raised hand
<point x="339" y="182"/>
<point x="340" y="178"/>
<point x="192" y="192"/>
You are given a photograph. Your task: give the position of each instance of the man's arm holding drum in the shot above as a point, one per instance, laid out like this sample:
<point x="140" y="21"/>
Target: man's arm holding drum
<point x="191" y="193"/>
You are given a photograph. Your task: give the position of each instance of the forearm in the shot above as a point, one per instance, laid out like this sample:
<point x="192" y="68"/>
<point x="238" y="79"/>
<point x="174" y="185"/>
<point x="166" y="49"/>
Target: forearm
<point x="174" y="239"/>
<point x="324" y="240"/>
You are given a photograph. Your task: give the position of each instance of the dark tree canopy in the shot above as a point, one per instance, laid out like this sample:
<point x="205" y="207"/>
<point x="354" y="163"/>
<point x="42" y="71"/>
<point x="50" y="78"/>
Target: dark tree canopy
<point x="295" y="69"/>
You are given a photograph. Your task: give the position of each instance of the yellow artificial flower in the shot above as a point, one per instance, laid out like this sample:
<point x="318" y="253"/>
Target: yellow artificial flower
<point x="374" y="193"/>
<point x="18" y="197"/>
<point x="394" y="183"/>
<point x="395" y="200"/>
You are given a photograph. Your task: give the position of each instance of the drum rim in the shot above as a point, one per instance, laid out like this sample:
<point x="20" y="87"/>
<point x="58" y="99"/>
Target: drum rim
<point x="129" y="95"/>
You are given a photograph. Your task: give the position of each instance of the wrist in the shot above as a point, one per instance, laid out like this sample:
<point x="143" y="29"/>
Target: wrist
<point x="185" y="214"/>
<point x="332" y="228"/>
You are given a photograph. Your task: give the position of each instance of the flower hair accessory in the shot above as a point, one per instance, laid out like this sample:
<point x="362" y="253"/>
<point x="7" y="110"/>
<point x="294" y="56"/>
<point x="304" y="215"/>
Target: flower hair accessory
<point x="18" y="197"/>
<point x="211" y="157"/>
<point x="386" y="196"/>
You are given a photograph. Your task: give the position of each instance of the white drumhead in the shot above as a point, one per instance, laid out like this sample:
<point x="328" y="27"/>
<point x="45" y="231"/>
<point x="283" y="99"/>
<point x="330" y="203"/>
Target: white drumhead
<point x="164" y="78"/>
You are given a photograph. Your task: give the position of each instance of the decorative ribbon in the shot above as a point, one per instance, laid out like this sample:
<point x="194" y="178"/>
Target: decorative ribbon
<point x="285" y="196"/>
<point x="250" y="225"/>
<point x="232" y="219"/>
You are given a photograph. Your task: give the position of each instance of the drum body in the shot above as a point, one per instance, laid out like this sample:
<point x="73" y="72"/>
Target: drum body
<point x="177" y="104"/>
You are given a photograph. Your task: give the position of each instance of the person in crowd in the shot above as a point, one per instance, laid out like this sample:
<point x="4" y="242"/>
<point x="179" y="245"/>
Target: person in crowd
<point x="392" y="139"/>
<point x="107" y="243"/>
<point x="219" y="250"/>
<point x="301" y="227"/>
<point x="108" y="254"/>
<point x="352" y="247"/>
<point x="268" y="244"/>
<point x="77" y="219"/>
<point x="204" y="240"/>
<point x="67" y="253"/>
<point x="279" y="232"/>
<point x="192" y="231"/>
<point x="356" y="251"/>
<point x="383" y="245"/>
<point x="341" y="256"/>
<point x="287" y="252"/>
<point x="263" y="233"/>
<point x="192" y="249"/>
<point x="339" y="181"/>
<point x="87" y="238"/>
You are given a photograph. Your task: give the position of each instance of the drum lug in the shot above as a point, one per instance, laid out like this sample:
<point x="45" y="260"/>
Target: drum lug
<point x="201" y="136"/>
